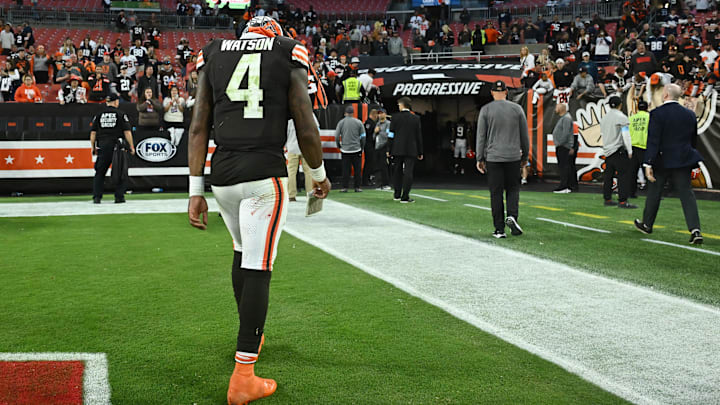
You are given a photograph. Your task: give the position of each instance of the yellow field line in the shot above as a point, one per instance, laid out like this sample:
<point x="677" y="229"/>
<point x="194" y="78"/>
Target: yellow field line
<point x="542" y="207"/>
<point x="479" y="197"/>
<point x="633" y="223"/>
<point x="452" y="193"/>
<point x="430" y="190"/>
<point x="705" y="235"/>
<point x="584" y="214"/>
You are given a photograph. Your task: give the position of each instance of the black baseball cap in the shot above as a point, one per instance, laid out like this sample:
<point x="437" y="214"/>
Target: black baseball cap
<point x="111" y="98"/>
<point x="583" y="69"/>
<point x="499" y="86"/>
<point x="615" y="101"/>
<point x="642" y="105"/>
<point x="349" y="110"/>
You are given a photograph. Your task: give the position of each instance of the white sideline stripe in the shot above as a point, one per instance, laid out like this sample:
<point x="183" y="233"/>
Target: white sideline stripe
<point x="132" y="172"/>
<point x="694" y="249"/>
<point x="477" y="206"/>
<point x="59" y="144"/>
<point x="587" y="228"/>
<point x="428" y="197"/>
<point x="644" y="346"/>
<point x="419" y="196"/>
<point x="48" y="209"/>
<point x="96" y="388"/>
<point x="45" y="144"/>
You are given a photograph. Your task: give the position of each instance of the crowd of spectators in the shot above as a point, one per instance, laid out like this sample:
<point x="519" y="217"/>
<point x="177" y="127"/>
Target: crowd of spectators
<point x="651" y="43"/>
<point x="89" y="71"/>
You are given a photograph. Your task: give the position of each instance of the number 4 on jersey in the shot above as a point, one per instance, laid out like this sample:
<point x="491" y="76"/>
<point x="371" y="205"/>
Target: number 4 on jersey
<point x="253" y="95"/>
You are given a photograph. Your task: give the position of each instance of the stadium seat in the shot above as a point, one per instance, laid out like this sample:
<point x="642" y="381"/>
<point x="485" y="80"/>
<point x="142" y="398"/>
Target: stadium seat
<point x="85" y="124"/>
<point x="12" y="125"/>
<point x="39" y="125"/>
<point x="66" y="125"/>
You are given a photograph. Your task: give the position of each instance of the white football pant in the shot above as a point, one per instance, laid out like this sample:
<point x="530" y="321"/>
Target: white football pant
<point x="254" y="213"/>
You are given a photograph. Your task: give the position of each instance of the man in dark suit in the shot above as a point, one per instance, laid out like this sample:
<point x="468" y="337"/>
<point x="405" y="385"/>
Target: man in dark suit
<point x="406" y="145"/>
<point x="671" y="154"/>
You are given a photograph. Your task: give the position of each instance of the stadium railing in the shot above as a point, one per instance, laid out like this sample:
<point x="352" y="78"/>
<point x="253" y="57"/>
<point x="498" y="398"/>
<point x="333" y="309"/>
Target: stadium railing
<point x="606" y="9"/>
<point x="464" y="53"/>
<point x="75" y="19"/>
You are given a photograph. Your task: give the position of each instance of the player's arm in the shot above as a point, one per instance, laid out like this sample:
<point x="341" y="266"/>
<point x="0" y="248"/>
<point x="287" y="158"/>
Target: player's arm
<point x="197" y="151"/>
<point x="308" y="135"/>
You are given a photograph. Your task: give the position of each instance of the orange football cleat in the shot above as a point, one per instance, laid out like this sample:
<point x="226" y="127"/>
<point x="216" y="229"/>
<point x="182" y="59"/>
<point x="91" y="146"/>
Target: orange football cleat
<point x="246" y="387"/>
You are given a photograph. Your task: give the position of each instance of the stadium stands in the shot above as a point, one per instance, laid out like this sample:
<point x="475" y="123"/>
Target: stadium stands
<point x="80" y="5"/>
<point x="346" y="6"/>
<point x="53" y="37"/>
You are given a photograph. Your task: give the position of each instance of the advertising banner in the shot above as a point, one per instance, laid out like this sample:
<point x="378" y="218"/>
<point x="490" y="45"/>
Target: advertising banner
<point x="587" y="115"/>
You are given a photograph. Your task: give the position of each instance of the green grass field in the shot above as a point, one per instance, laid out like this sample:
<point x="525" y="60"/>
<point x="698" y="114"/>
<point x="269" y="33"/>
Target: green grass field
<point x="155" y="295"/>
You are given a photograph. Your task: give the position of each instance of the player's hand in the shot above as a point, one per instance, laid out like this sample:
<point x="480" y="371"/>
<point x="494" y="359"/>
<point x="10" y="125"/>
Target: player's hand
<point x="197" y="207"/>
<point x="421" y="157"/>
<point x="650" y="174"/>
<point x="523" y="163"/>
<point x="322" y="189"/>
<point x="481" y="167"/>
<point x="93" y="151"/>
<point x="572" y="152"/>
<point x="132" y="150"/>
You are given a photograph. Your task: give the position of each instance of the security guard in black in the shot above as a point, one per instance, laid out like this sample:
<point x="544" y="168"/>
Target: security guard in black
<point x="108" y="127"/>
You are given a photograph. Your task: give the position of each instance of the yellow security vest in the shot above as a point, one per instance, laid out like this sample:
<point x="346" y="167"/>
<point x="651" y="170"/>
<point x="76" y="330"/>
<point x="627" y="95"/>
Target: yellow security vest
<point x="352" y="89"/>
<point x="639" y="123"/>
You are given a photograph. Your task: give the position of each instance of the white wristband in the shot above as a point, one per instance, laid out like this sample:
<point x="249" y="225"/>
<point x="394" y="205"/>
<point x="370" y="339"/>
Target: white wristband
<point x="318" y="174"/>
<point x="197" y="186"/>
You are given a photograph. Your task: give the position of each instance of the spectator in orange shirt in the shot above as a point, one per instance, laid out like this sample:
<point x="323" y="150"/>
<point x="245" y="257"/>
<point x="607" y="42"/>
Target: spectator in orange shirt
<point x="491" y="34"/>
<point x="28" y="92"/>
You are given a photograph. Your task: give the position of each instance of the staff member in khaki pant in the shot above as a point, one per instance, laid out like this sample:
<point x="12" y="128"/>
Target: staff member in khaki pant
<point x="294" y="156"/>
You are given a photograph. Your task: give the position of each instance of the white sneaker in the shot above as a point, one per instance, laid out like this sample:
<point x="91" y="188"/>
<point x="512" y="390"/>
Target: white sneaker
<point x="499" y="235"/>
<point x="563" y="191"/>
<point x="515" y="229"/>
<point x="523" y="181"/>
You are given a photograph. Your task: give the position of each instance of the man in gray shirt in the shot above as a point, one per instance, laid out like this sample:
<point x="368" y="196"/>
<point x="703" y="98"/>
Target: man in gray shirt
<point x="350" y="138"/>
<point x="564" y="142"/>
<point x="109" y="67"/>
<point x="502" y="149"/>
<point x="583" y="84"/>
<point x="617" y="147"/>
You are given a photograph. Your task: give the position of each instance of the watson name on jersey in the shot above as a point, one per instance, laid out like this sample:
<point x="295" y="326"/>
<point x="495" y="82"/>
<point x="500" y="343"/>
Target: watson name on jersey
<point x="249" y="80"/>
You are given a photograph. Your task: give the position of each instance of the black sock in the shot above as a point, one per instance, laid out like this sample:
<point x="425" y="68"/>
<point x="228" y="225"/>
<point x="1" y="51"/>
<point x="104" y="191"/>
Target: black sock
<point x="252" y="302"/>
<point x="237" y="277"/>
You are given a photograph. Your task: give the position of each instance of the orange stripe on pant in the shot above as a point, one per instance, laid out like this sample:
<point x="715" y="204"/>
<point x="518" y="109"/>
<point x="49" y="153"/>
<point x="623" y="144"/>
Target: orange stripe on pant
<point x="531" y="157"/>
<point x="540" y="137"/>
<point x="274" y="223"/>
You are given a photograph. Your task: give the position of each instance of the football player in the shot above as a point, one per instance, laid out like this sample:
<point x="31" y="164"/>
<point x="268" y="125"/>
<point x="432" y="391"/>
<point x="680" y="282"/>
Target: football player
<point x="247" y="88"/>
<point x="459" y="142"/>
